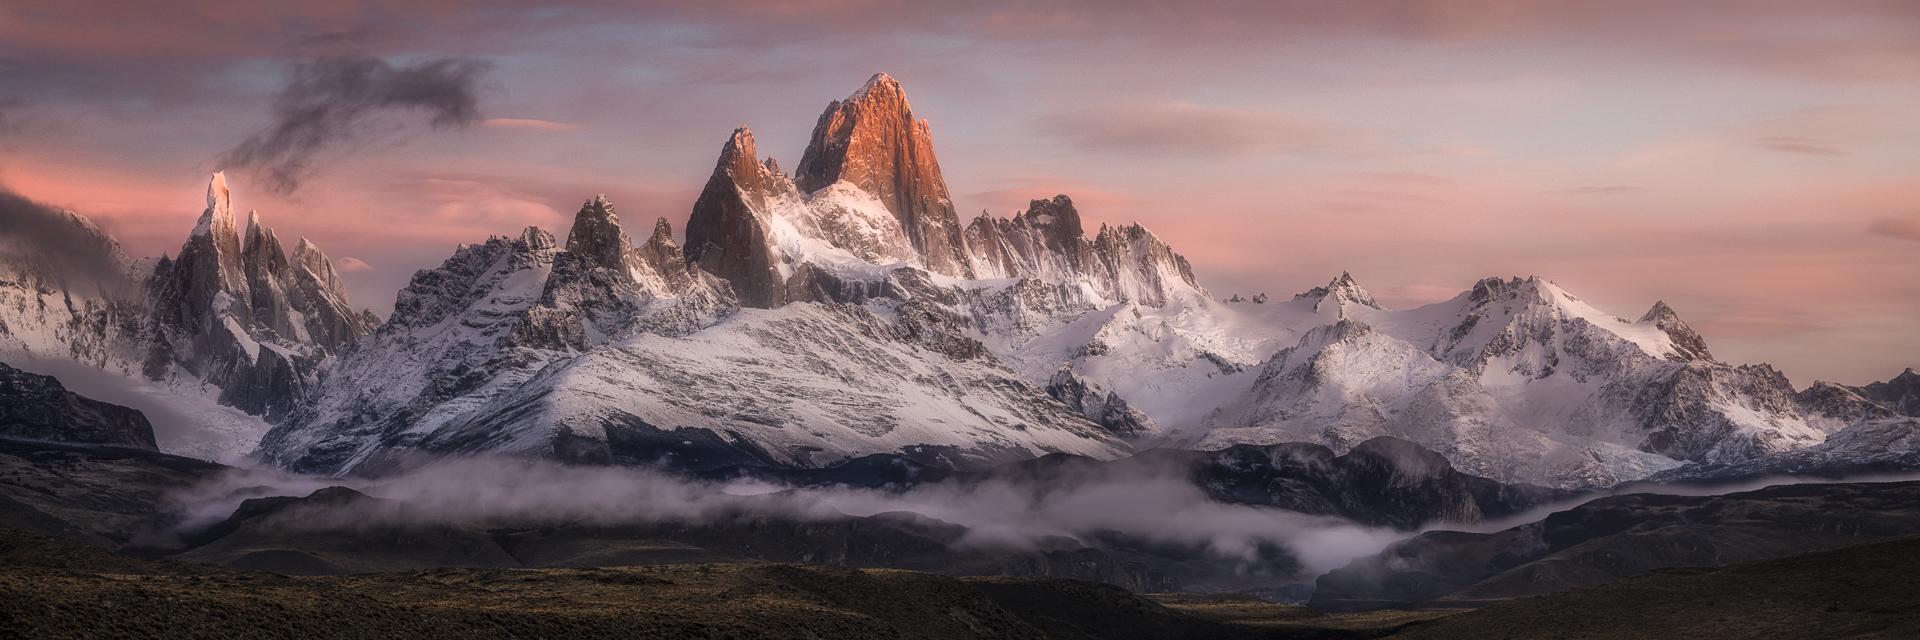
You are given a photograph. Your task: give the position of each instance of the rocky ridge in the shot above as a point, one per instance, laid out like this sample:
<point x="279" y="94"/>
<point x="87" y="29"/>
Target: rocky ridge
<point x="1033" y="334"/>
<point x="36" y="407"/>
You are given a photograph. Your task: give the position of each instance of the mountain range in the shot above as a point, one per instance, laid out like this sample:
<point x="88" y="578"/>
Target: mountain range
<point x="845" y="310"/>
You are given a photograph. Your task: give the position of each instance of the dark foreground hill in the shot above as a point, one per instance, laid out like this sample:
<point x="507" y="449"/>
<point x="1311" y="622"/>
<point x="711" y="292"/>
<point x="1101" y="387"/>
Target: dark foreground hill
<point x="1859" y="592"/>
<point x="51" y="588"/>
<point x="54" y="589"/>
<point x="1619" y="536"/>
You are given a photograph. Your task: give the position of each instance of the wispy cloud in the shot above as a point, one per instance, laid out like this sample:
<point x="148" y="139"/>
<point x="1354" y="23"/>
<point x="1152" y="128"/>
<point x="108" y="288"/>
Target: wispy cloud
<point x="1192" y="129"/>
<point x="529" y="124"/>
<point x="1800" y="146"/>
<point x="350" y="264"/>
<point x="1902" y="227"/>
<point x="12" y="114"/>
<point x="1599" y="190"/>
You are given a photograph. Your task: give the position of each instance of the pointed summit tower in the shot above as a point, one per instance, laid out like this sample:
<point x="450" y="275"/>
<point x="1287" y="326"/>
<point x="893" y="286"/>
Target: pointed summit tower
<point x="872" y="141"/>
<point x="243" y="317"/>
<point x="728" y="233"/>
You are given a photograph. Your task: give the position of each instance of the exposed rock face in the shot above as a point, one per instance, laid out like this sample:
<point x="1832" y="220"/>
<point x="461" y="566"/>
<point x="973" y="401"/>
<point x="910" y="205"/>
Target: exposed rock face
<point x="730" y="231"/>
<point x="1103" y="407"/>
<point x="451" y="338"/>
<point x="1902" y="393"/>
<point x="1047" y="243"/>
<point x="1868" y="448"/>
<point x="603" y="287"/>
<point x="753" y="226"/>
<point x="1835" y="406"/>
<point x="243" y="317"/>
<point x="316" y="289"/>
<point x="37" y="407"/>
<point x="872" y="141"/>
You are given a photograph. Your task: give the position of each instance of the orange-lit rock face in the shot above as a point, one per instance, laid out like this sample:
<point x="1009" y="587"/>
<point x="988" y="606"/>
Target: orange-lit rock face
<point x="872" y="140"/>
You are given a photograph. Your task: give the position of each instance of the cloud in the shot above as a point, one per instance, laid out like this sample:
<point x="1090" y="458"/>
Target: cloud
<point x="1192" y="129"/>
<point x="69" y="247"/>
<point x="12" y="114"/>
<point x="1902" y="227"/>
<point x="350" y="264"/>
<point x="1799" y="145"/>
<point x="528" y="123"/>
<point x="330" y="101"/>
<point x="1599" y="190"/>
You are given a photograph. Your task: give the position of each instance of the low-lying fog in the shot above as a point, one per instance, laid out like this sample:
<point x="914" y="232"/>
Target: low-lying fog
<point x="1162" y="507"/>
<point x="1159" y="507"/>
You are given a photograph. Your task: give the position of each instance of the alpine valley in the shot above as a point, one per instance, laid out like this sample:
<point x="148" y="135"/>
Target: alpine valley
<point x="846" y="310"/>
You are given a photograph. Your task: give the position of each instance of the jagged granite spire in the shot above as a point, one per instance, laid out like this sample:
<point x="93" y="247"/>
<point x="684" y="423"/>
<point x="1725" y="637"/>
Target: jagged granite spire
<point x="596" y="235"/>
<point x="241" y="317"/>
<point x="308" y="256"/>
<point x="1048" y="241"/>
<point x="266" y="266"/>
<point x="728" y="232"/>
<point x="872" y="141"/>
<point x="315" y="290"/>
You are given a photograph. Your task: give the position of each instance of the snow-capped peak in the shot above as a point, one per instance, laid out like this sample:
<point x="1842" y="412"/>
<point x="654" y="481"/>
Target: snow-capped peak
<point x="1337" y="295"/>
<point x="881" y="83"/>
<point x="1687" y="344"/>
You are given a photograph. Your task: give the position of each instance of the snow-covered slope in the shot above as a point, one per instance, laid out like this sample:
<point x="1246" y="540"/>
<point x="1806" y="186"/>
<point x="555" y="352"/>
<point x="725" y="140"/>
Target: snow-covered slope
<point x="498" y="351"/>
<point x="1514" y="379"/>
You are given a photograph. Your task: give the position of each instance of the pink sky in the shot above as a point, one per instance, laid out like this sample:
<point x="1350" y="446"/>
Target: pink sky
<point x="1754" y="164"/>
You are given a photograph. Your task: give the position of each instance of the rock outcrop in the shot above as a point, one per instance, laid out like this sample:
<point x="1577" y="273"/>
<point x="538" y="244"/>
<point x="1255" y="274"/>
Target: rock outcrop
<point x="603" y="287"/>
<point x="1103" y="407"/>
<point x="729" y="233"/>
<point x="872" y="141"/>
<point x="37" y="407"/>
<point x="1047" y="243"/>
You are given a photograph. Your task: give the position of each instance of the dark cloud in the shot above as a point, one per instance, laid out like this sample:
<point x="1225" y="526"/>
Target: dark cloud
<point x="56" y="244"/>
<point x="331" y="101"/>
<point x="1800" y="146"/>
<point x="1904" y="228"/>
